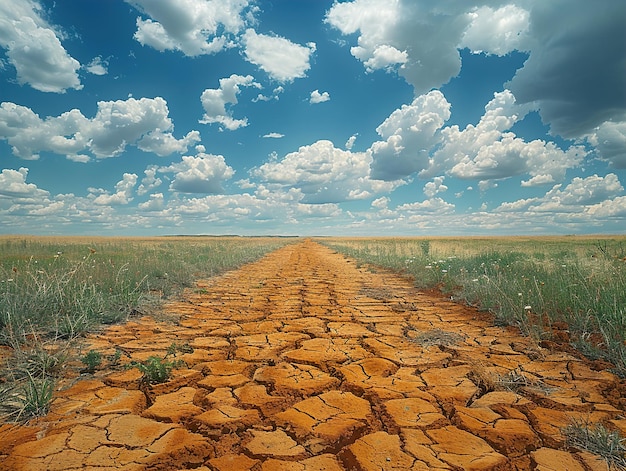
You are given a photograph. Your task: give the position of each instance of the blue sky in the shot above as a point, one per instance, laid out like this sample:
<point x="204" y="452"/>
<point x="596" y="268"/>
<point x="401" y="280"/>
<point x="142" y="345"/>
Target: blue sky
<point x="312" y="117"/>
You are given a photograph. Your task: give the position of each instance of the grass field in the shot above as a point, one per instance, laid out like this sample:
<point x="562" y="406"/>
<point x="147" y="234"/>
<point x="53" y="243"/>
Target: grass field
<point x="571" y="287"/>
<point x="63" y="287"/>
<point x="55" y="290"/>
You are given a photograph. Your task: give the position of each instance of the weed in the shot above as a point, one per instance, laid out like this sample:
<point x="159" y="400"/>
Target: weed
<point x="37" y="398"/>
<point x="598" y="440"/>
<point x="31" y="397"/>
<point x="175" y="348"/>
<point x="92" y="360"/>
<point x="114" y="360"/>
<point x="55" y="290"/>
<point x="156" y="370"/>
<point x="531" y="284"/>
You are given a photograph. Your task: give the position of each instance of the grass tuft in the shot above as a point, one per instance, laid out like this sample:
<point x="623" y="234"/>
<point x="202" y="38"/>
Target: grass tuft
<point x="155" y="369"/>
<point x="597" y="439"/>
<point x="535" y="284"/>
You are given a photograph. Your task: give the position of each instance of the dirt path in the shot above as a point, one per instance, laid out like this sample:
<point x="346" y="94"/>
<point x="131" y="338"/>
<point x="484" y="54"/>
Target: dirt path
<point x="302" y="361"/>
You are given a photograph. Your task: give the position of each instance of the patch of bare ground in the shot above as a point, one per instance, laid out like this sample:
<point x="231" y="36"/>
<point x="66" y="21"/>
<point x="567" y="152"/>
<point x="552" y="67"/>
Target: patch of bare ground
<point x="303" y="361"/>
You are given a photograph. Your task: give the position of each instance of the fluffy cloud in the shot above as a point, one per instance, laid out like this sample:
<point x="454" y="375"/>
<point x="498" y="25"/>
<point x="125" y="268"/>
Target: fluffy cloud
<point x="432" y="205"/>
<point x="274" y="96"/>
<point x="34" y="48"/>
<point x="410" y="133"/>
<point x="144" y="123"/>
<point x="281" y="59"/>
<point x="487" y="152"/>
<point x="150" y="181"/>
<point x="194" y="27"/>
<point x="434" y="187"/>
<point x="417" y="39"/>
<point x="155" y="203"/>
<point x="324" y="174"/>
<point x="317" y="97"/>
<point x="273" y="135"/>
<point x="214" y="101"/>
<point x="13" y="185"/>
<point x="581" y="192"/>
<point x="575" y="75"/>
<point x="497" y="31"/>
<point x="123" y="192"/>
<point x="609" y="140"/>
<point x="98" y="66"/>
<point x="203" y="173"/>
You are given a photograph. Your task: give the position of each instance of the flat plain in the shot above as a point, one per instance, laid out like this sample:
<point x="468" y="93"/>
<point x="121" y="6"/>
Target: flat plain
<point x="307" y="360"/>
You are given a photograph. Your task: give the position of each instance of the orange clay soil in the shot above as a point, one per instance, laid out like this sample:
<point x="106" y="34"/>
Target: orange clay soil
<point x="303" y="361"/>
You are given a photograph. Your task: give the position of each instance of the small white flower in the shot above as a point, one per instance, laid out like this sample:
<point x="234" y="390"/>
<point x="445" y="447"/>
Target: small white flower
<point x="520" y="294"/>
<point x="428" y="266"/>
<point x="444" y="271"/>
<point x="528" y="308"/>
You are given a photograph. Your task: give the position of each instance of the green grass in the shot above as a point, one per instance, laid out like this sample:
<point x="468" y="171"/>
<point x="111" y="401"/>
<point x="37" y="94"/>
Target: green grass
<point x="64" y="289"/>
<point x="599" y="440"/>
<point x="56" y="290"/>
<point x="155" y="369"/>
<point x="575" y="283"/>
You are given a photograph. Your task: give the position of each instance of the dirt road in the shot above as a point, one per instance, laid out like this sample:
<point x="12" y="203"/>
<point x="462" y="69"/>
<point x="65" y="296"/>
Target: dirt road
<point x="303" y="361"/>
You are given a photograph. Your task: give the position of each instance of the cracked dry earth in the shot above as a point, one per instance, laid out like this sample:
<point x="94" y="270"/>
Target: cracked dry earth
<point x="303" y="361"/>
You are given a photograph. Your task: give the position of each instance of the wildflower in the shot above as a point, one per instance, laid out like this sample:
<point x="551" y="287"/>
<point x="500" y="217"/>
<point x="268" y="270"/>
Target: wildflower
<point x="428" y="266"/>
<point x="475" y="280"/>
<point x="519" y="294"/>
<point x="444" y="271"/>
<point x="528" y="308"/>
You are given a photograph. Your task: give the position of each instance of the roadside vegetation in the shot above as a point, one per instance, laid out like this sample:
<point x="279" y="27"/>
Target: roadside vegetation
<point x="556" y="289"/>
<point x="54" y="291"/>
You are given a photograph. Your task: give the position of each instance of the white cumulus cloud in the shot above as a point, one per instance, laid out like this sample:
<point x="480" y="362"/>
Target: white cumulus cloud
<point x="434" y="187"/>
<point x="280" y="58"/>
<point x="324" y="174"/>
<point x="609" y="140"/>
<point x="497" y="31"/>
<point x="13" y="185"/>
<point x="409" y="134"/>
<point x="123" y="192"/>
<point x="194" y="27"/>
<point x="486" y="151"/>
<point x="214" y="101"/>
<point x="317" y="97"/>
<point x="34" y="48"/>
<point x="117" y="124"/>
<point x="203" y="173"/>
<point x="98" y="66"/>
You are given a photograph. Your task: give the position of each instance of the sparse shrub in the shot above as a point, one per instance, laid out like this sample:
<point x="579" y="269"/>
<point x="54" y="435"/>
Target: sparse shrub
<point x="530" y="284"/>
<point x="156" y="369"/>
<point x="599" y="440"/>
<point x="92" y="360"/>
<point x="175" y="348"/>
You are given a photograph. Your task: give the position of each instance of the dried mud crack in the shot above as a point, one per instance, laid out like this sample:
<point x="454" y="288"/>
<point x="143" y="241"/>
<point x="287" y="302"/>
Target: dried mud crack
<point x="302" y="361"/>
